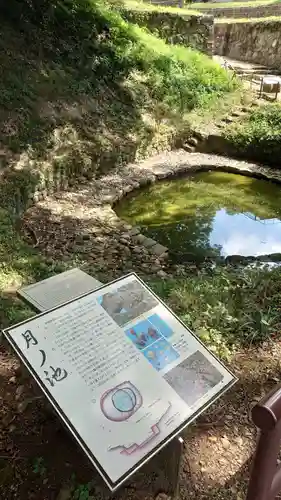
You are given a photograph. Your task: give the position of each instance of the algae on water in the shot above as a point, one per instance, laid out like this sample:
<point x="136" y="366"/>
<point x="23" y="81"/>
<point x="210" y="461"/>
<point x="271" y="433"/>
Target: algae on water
<point x="209" y="214"/>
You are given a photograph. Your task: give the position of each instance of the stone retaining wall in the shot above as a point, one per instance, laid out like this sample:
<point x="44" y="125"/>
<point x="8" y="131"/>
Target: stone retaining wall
<point x="253" y="42"/>
<point x="228" y="12"/>
<point x="241" y="12"/>
<point x="191" y="31"/>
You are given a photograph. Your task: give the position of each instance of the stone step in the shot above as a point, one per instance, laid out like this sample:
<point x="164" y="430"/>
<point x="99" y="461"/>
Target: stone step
<point x="193" y="141"/>
<point x="259" y="71"/>
<point x="228" y="119"/>
<point x="198" y="135"/>
<point x="188" y="148"/>
<point x="238" y="113"/>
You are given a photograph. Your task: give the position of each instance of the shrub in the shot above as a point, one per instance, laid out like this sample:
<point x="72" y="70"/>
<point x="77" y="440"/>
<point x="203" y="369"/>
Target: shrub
<point x="259" y="135"/>
<point x="226" y="307"/>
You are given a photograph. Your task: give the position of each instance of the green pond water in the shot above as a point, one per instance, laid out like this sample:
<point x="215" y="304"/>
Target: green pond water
<point x="212" y="214"/>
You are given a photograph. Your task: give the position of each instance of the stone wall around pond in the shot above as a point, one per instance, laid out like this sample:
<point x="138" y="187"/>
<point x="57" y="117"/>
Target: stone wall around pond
<point x="192" y="31"/>
<point x="258" y="42"/>
<point x="108" y="190"/>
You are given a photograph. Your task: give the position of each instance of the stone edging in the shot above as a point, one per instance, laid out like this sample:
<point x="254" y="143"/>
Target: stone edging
<point x="113" y="187"/>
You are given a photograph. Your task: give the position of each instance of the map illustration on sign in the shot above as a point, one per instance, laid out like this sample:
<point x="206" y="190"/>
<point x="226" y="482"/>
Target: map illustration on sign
<point x="121" y="402"/>
<point x="146" y="433"/>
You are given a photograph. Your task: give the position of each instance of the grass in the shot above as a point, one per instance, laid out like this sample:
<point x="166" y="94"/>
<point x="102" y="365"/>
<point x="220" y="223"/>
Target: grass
<point x="227" y="308"/>
<point x="258" y="136"/>
<point x="147" y="7"/>
<point x="19" y="264"/>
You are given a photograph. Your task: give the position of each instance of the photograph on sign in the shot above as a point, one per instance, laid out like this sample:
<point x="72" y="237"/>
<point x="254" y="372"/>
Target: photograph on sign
<point x="122" y="371"/>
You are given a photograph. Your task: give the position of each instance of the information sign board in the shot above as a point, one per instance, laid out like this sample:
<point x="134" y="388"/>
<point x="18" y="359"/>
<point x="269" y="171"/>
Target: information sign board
<point x="58" y="289"/>
<point x="124" y="374"/>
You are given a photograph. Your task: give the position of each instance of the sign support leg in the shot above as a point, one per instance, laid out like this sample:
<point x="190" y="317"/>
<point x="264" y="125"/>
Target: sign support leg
<point x="176" y="465"/>
<point x="172" y="460"/>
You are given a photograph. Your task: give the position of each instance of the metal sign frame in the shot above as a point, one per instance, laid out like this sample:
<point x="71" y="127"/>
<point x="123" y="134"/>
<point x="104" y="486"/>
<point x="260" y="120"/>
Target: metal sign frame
<point x="114" y="485"/>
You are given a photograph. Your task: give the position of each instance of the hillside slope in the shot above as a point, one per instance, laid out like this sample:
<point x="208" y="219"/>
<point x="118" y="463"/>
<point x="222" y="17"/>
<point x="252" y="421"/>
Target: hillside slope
<point x="83" y="88"/>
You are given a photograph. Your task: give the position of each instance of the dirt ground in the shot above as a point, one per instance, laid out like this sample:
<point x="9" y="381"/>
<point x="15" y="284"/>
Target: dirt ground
<point x="39" y="460"/>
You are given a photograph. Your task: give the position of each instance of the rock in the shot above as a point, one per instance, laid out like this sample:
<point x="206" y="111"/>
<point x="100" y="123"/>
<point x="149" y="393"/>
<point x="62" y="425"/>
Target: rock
<point x="36" y="197"/>
<point x="162" y="274"/>
<point x="188" y="148"/>
<point x="127" y="227"/>
<point x="134" y="231"/>
<point x="19" y="392"/>
<point x="124" y="241"/>
<point x="12" y="380"/>
<point x="22" y="406"/>
<point x="139" y="238"/>
<point x="225" y="442"/>
<point x="162" y="496"/>
<point x="159" y="250"/>
<point x="154" y="268"/>
<point x="65" y="493"/>
<point x="138" y="250"/>
<point x="149" y="242"/>
<point x="193" y="141"/>
<point x="5" y="421"/>
<point x="239" y="441"/>
<point x="143" y="182"/>
<point x="79" y="240"/>
<point x="145" y="266"/>
<point x="126" y="250"/>
<point x="213" y="439"/>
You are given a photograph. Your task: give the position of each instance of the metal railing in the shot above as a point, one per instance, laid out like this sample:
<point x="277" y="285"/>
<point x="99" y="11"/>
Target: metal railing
<point x="265" y="479"/>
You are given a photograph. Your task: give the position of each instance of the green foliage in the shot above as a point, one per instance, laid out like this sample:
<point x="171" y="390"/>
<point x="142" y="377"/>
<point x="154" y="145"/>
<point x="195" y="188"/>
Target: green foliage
<point x="19" y="264"/>
<point x="188" y="10"/>
<point x="82" y="492"/>
<point x="227" y="308"/>
<point x="95" y="89"/>
<point x="222" y="5"/>
<point x="39" y="466"/>
<point x="259" y="135"/>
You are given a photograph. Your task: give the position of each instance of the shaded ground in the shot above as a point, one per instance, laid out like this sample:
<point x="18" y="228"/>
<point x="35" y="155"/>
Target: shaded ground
<point x="217" y="448"/>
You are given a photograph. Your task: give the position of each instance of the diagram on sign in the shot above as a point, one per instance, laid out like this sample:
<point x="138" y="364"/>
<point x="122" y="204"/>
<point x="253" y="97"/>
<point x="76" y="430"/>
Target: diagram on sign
<point x="121" y="402"/>
<point x="124" y="405"/>
<point x="132" y="446"/>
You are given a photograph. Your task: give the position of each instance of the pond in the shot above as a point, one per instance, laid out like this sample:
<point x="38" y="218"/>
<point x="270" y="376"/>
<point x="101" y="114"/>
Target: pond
<point x="209" y="214"/>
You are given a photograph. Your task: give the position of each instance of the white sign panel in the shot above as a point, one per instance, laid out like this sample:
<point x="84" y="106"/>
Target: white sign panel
<point x="122" y="371"/>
